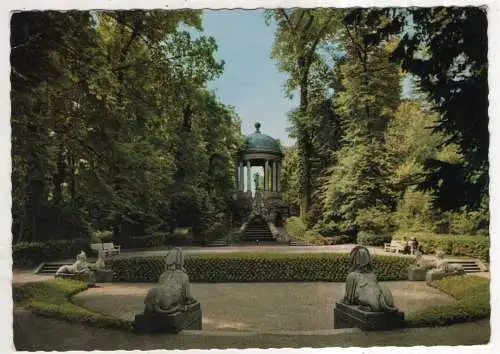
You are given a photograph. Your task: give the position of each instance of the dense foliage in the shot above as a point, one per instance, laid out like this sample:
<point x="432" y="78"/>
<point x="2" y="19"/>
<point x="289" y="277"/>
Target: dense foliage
<point x="473" y="303"/>
<point x="369" y="158"/>
<point x="251" y="267"/>
<point x="51" y="298"/>
<point x="456" y="245"/>
<point x="113" y="128"/>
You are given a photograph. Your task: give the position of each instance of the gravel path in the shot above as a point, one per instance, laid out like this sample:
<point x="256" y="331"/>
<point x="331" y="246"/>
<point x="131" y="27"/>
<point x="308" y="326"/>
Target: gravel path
<point x="258" y="306"/>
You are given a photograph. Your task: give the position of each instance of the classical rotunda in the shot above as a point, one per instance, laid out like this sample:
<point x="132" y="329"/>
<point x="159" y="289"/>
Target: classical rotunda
<point x="261" y="150"/>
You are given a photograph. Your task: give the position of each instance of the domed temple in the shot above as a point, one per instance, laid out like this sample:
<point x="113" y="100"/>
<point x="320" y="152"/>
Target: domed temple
<point x="261" y="150"/>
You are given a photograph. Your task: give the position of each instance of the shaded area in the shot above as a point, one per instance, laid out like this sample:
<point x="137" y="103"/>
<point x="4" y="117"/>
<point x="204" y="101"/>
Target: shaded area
<point x="258" y="306"/>
<point x="36" y="333"/>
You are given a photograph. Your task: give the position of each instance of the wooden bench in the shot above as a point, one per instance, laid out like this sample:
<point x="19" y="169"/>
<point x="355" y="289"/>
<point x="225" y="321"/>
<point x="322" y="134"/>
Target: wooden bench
<point x="395" y="246"/>
<point x="108" y="248"/>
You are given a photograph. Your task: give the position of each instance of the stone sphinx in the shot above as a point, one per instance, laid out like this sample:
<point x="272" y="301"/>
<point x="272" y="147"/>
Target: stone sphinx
<point x="79" y="270"/>
<point x="173" y="293"/>
<point x="366" y="304"/>
<point x="362" y="288"/>
<point x="418" y="270"/>
<point x="99" y="267"/>
<point x="169" y="306"/>
<point x="443" y="268"/>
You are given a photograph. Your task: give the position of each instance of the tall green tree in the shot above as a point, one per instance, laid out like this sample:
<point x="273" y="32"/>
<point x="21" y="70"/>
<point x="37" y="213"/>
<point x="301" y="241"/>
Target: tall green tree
<point x="300" y="36"/>
<point x="357" y="187"/>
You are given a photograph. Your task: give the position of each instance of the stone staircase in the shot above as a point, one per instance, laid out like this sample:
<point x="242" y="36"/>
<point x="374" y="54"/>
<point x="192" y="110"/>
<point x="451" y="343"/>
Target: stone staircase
<point x="470" y="266"/>
<point x="257" y="230"/>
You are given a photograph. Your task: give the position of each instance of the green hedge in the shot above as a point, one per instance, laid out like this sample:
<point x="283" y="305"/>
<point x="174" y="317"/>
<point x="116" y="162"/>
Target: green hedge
<point x="368" y="239"/>
<point x="33" y="253"/>
<point x="473" y="295"/>
<point x="52" y="299"/>
<point x="455" y="245"/>
<point x="264" y="267"/>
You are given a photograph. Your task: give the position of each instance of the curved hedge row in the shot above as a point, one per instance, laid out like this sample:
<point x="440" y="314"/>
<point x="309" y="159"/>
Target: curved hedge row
<point x="455" y="245"/>
<point x="51" y="298"/>
<point x="266" y="267"/>
<point x="473" y="295"/>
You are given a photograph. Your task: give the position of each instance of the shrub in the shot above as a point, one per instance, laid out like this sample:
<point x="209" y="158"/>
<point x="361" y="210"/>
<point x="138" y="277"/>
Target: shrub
<point x="155" y="239"/>
<point x="455" y="245"/>
<point x="340" y="240"/>
<point x="375" y="220"/>
<point x="251" y="267"/>
<point x="102" y="236"/>
<point x="32" y="253"/>
<point x="182" y="236"/>
<point x="368" y="239"/>
<point x="315" y="238"/>
<point x="52" y="299"/>
<point x="473" y="295"/>
<point x="329" y="230"/>
<point x="295" y="227"/>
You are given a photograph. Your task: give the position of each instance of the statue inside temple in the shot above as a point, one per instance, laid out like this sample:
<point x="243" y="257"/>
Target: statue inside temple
<point x="256" y="178"/>
<point x="173" y="291"/>
<point x="362" y="288"/>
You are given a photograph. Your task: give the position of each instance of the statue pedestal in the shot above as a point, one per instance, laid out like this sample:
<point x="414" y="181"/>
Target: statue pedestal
<point x="104" y="276"/>
<point x="85" y="277"/>
<point x="433" y="276"/>
<point x="417" y="274"/>
<point x="171" y="323"/>
<point x="348" y="316"/>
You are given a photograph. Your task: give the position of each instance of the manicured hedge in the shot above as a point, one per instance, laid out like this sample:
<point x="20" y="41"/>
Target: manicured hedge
<point x="33" y="253"/>
<point x="52" y="299"/>
<point x="455" y="245"/>
<point x="473" y="295"/>
<point x="264" y="267"/>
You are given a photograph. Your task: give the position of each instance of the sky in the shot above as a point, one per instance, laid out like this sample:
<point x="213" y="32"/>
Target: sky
<point x="251" y="81"/>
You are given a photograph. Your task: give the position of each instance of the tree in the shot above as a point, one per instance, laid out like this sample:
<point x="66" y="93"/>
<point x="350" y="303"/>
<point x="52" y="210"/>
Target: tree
<point x="358" y="183"/>
<point x="300" y="35"/>
<point x="446" y="50"/>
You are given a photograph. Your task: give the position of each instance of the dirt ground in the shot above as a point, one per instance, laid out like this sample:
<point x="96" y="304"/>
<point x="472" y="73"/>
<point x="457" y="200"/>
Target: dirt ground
<point x="258" y="306"/>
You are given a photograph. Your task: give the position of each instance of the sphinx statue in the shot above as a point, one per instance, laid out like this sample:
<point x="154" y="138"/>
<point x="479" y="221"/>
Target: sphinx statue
<point x="442" y="268"/>
<point x="100" y="264"/>
<point x="173" y="292"/>
<point x="80" y="268"/>
<point x="362" y="288"/>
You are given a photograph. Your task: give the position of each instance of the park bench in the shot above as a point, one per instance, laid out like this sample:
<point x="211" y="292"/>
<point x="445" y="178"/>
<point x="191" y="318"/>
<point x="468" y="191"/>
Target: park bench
<point x="108" y="248"/>
<point x="395" y="246"/>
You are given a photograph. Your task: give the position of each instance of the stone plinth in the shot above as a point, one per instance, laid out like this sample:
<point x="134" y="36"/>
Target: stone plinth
<point x="104" y="276"/>
<point x="417" y="274"/>
<point x="85" y="277"/>
<point x="171" y="323"/>
<point x="347" y="316"/>
<point x="433" y="276"/>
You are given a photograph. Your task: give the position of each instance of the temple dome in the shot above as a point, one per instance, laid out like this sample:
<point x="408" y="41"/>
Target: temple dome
<point x="258" y="142"/>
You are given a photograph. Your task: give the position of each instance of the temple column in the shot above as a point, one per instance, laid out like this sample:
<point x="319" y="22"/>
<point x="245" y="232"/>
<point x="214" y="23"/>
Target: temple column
<point x="278" y="182"/>
<point x="274" y="176"/>
<point x="249" y="177"/>
<point x="266" y="176"/>
<point x="242" y="177"/>
<point x="237" y="177"/>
